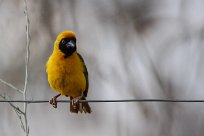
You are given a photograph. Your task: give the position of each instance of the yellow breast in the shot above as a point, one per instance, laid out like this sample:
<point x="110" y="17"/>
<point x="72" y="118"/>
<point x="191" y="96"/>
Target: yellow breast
<point x="65" y="75"/>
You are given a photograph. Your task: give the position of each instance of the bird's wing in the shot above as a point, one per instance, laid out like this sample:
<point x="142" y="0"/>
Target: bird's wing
<point x="85" y="74"/>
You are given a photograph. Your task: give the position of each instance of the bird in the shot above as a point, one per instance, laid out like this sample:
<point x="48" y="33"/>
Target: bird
<point x="67" y="73"/>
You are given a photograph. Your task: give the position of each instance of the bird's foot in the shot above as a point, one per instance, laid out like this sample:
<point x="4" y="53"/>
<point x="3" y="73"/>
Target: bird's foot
<point x="53" y="101"/>
<point x="75" y="102"/>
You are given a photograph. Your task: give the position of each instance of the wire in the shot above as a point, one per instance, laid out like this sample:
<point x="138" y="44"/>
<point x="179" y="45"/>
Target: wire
<point x="100" y="101"/>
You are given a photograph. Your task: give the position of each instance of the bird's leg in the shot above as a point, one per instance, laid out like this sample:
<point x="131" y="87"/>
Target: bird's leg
<point x="75" y="102"/>
<point x="53" y="101"/>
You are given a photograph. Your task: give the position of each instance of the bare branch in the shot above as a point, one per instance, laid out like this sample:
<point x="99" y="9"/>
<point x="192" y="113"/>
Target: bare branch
<point x="11" y="86"/>
<point x="27" y="46"/>
<point x="26" y="65"/>
<point x="16" y="108"/>
<point x="18" y="111"/>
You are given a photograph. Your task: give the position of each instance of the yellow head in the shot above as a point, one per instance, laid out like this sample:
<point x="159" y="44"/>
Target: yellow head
<point x="66" y="43"/>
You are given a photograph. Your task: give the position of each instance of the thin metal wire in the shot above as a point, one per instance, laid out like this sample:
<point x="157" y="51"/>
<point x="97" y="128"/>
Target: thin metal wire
<point x="100" y="101"/>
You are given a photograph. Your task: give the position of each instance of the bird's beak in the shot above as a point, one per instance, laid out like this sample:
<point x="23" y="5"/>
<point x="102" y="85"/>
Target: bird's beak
<point x="68" y="48"/>
<point x="71" y="44"/>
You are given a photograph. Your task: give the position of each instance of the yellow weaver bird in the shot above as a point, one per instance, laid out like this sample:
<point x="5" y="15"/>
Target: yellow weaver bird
<point x="67" y="73"/>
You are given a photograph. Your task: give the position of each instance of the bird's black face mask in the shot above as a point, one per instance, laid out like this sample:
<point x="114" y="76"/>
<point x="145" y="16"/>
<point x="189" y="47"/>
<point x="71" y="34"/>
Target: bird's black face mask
<point x="68" y="46"/>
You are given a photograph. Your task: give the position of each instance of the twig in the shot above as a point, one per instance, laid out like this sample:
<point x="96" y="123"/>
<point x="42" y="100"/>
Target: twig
<point x="27" y="46"/>
<point x="26" y="66"/>
<point x="22" y="113"/>
<point x="6" y="99"/>
<point x="18" y="111"/>
<point x="11" y="86"/>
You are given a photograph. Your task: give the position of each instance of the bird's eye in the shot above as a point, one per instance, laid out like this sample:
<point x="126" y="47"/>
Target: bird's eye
<point x="63" y="41"/>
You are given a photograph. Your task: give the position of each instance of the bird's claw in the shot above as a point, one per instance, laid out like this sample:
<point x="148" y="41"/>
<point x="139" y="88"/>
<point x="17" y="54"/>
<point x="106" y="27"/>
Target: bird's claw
<point x="75" y="102"/>
<point x="53" y="102"/>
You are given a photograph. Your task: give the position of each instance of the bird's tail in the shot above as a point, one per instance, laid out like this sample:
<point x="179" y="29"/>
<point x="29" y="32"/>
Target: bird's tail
<point x="82" y="107"/>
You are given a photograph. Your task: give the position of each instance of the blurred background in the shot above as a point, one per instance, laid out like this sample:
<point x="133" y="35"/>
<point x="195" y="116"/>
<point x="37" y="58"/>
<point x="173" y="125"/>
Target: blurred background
<point x="132" y="49"/>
